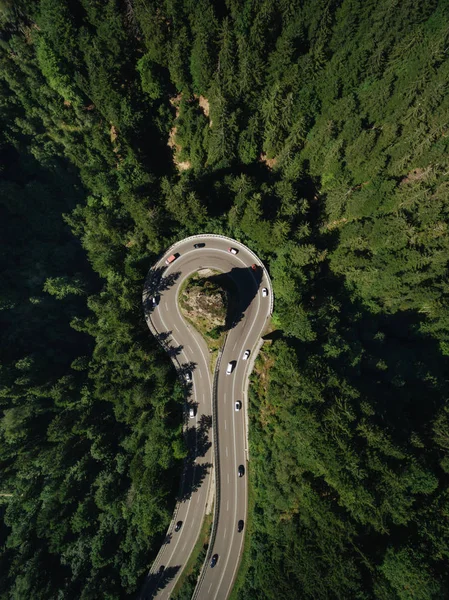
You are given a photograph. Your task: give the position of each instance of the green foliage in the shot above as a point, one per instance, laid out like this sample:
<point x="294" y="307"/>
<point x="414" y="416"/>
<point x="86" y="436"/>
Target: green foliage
<point x="325" y="150"/>
<point x="150" y="81"/>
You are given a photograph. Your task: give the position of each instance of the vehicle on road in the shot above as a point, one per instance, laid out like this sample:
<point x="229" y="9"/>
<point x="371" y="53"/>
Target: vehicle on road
<point x="238" y="404"/>
<point x="233" y="250"/>
<point x="200" y="245"/>
<point x="178" y="525"/>
<point x="254" y="267"/>
<point x="246" y="354"/>
<point x="240" y="525"/>
<point x="264" y="292"/>
<point x="161" y="569"/>
<point x="188" y="376"/>
<point x="241" y="470"/>
<point x="192" y="412"/>
<point x="172" y="258"/>
<point x="230" y="367"/>
<point x="214" y="560"/>
<point x="154" y="301"/>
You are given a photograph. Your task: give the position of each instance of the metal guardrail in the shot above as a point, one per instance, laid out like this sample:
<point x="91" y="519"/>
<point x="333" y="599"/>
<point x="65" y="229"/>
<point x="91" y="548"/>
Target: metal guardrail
<point x="230" y="240"/>
<point x="178" y="367"/>
<point x="214" y="400"/>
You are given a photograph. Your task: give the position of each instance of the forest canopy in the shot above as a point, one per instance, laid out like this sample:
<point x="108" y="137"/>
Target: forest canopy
<point x="314" y="131"/>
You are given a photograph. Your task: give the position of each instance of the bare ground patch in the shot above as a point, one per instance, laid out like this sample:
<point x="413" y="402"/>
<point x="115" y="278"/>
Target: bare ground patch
<point x="270" y="162"/>
<point x="181" y="165"/>
<point x="416" y="175"/>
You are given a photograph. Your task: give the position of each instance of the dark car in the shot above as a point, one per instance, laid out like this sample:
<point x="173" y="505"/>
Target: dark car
<point x="240" y="525"/>
<point x="214" y="560"/>
<point x="241" y="470"/>
<point x="178" y="525"/>
<point x="161" y="569"/>
<point x="199" y="245"/>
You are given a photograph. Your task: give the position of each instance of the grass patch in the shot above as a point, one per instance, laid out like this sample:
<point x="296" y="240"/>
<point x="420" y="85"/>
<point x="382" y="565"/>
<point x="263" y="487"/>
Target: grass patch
<point x="185" y="585"/>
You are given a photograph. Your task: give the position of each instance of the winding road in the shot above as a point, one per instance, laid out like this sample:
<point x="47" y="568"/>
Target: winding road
<point x="225" y="446"/>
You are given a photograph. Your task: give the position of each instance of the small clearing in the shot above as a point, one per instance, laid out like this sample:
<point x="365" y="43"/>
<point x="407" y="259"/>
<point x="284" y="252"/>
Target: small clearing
<point x="416" y="175"/>
<point x="205" y="107"/>
<point x="270" y="162"/>
<point x="180" y="165"/>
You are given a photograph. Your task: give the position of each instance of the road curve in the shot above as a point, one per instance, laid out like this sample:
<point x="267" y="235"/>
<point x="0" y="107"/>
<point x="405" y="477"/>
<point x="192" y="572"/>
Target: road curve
<point x="189" y="353"/>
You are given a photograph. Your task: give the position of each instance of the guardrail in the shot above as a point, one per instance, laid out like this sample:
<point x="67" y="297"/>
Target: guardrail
<point x="178" y="367"/>
<point x="214" y="399"/>
<point x="217" y="474"/>
<point x="230" y="240"/>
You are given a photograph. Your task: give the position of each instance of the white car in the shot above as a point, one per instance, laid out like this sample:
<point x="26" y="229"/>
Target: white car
<point x="238" y="404"/>
<point x="154" y="301"/>
<point x="264" y="292"/>
<point x="192" y="413"/>
<point x="188" y="376"/>
<point x="246" y="355"/>
<point x="230" y="368"/>
<point x="233" y="250"/>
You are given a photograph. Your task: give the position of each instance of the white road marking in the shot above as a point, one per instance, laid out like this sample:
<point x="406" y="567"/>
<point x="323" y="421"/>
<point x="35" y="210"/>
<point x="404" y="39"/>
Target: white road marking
<point x="166" y="306"/>
<point x="190" y="348"/>
<point x="224" y="535"/>
<point x="228" y="478"/>
<point x="225" y="424"/>
<point x="246" y="380"/>
<point x="226" y="451"/>
<point x="227" y="505"/>
<point x="245" y="326"/>
<point x="209" y="588"/>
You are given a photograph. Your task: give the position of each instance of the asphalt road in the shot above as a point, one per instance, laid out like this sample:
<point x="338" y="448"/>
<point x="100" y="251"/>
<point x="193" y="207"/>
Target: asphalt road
<point x="189" y="353"/>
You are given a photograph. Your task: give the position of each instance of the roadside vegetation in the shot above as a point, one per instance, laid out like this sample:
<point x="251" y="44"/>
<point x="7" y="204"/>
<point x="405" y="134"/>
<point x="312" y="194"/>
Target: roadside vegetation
<point x="315" y="132"/>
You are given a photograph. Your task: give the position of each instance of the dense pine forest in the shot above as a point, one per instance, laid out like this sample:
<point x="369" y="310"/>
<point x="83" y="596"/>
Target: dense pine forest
<point x="316" y="132"/>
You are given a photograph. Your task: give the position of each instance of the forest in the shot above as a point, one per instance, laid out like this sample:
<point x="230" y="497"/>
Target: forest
<point x="317" y="133"/>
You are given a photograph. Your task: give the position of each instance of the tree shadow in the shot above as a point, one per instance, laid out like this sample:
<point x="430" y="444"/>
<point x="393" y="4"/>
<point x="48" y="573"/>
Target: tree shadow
<point x="158" y="581"/>
<point x="185" y="371"/>
<point x="155" y="285"/>
<point x="197" y="439"/>
<point x="198" y="443"/>
<point x="163" y="336"/>
<point x="195" y="475"/>
<point x="173" y="351"/>
<point x="168" y="539"/>
<point x="242" y="285"/>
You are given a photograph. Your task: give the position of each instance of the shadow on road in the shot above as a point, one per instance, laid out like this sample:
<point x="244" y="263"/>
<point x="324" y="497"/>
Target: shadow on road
<point x="197" y="438"/>
<point x="155" y="285"/>
<point x="158" y="581"/>
<point x="194" y="476"/>
<point x="242" y="285"/>
<point x="198" y="443"/>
